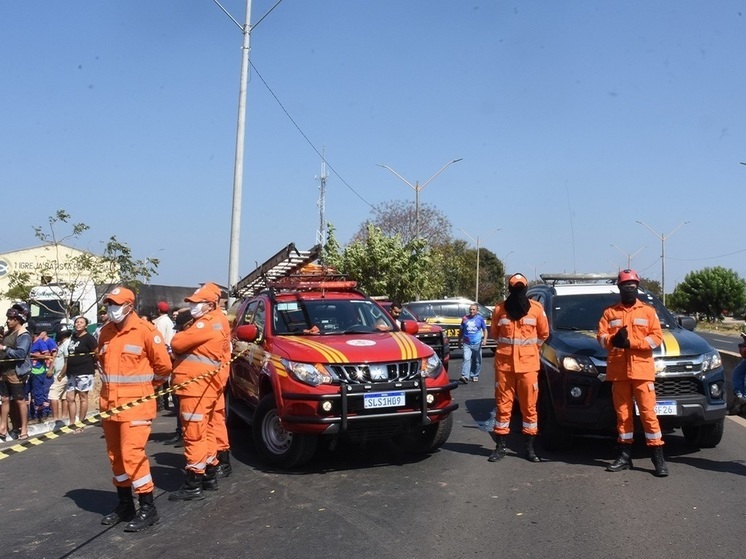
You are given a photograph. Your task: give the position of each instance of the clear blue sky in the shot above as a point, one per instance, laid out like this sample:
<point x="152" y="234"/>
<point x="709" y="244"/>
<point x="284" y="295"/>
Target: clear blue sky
<point x="574" y="119"/>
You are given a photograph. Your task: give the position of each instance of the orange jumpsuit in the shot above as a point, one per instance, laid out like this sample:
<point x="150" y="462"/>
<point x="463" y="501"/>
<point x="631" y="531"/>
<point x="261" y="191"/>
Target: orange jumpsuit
<point x="517" y="365"/>
<point x="632" y="370"/>
<point x="218" y="424"/>
<point x="202" y="348"/>
<point x="134" y="361"/>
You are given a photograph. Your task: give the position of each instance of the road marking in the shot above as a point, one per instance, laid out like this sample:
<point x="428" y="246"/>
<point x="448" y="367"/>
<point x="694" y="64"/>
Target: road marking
<point x="737" y="419"/>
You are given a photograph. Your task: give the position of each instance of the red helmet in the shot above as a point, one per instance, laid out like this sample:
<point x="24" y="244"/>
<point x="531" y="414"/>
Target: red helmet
<point x="627" y="275"/>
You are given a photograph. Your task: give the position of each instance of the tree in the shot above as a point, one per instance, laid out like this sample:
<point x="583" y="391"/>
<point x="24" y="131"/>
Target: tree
<point x="460" y="265"/>
<point x="383" y="265"/>
<point x="710" y="291"/>
<point x="654" y="286"/>
<point x="399" y="218"/>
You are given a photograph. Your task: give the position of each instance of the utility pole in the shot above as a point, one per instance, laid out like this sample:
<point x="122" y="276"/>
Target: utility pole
<point x="663" y="253"/>
<point x="629" y="256"/>
<point x="321" y="233"/>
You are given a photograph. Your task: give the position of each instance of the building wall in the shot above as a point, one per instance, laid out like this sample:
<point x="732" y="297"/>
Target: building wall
<point x="51" y="260"/>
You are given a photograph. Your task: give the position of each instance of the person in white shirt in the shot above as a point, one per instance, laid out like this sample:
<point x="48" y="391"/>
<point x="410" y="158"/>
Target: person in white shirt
<point x="165" y="325"/>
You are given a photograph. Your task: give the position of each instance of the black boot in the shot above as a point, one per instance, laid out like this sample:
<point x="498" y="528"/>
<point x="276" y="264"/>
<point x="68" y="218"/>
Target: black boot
<point x="661" y="468"/>
<point x="224" y="468"/>
<point x="530" y="452"/>
<point x="146" y="516"/>
<point x="191" y="490"/>
<point x="624" y="462"/>
<point x="125" y="510"/>
<point x="499" y="452"/>
<point x="210" y="479"/>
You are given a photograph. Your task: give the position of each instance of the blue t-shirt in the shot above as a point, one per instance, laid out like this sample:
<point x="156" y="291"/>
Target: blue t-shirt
<point x="472" y="328"/>
<point x="38" y="366"/>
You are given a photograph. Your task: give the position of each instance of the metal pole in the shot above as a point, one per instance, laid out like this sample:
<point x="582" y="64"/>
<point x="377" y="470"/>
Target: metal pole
<point x="663" y="253"/>
<point x="417" y="209"/>
<point x="476" y="295"/>
<point x="238" y="166"/>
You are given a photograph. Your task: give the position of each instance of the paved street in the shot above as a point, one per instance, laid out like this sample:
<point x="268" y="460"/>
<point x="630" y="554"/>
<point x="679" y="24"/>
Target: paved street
<point x="374" y="502"/>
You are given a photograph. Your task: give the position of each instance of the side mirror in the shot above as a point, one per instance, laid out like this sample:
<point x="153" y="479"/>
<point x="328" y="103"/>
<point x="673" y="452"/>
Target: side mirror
<point x="247" y="332"/>
<point x="687" y="322"/>
<point x="410" y="327"/>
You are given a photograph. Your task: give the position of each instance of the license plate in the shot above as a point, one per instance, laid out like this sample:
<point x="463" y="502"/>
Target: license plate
<point x="667" y="407"/>
<point x="384" y="400"/>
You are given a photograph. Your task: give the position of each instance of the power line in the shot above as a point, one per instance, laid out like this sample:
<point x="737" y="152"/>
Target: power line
<point x="305" y="137"/>
<point x="707" y="257"/>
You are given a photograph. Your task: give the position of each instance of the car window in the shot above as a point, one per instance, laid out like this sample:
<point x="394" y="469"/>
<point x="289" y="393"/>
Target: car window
<point x="583" y="311"/>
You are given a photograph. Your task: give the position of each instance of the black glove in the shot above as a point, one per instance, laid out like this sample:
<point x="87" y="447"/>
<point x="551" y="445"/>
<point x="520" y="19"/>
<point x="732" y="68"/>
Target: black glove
<point x="620" y="338"/>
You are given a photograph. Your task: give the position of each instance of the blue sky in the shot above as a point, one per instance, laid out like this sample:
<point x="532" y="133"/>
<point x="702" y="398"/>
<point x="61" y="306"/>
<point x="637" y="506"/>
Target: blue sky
<point x="574" y="120"/>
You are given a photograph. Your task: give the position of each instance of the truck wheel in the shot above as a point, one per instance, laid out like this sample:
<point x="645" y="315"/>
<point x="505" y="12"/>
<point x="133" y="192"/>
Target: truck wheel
<point x="553" y="435"/>
<point x="425" y="439"/>
<point x="708" y="435"/>
<point x="277" y="446"/>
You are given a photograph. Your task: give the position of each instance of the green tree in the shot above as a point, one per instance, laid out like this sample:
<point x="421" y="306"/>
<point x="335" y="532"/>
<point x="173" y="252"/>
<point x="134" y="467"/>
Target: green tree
<point x="19" y="286"/>
<point x="399" y="218"/>
<point x="710" y="291"/>
<point x="384" y="265"/>
<point x="654" y="286"/>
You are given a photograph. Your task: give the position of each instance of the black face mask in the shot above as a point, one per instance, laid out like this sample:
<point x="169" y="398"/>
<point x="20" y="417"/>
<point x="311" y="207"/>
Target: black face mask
<point x="517" y="303"/>
<point x="628" y="293"/>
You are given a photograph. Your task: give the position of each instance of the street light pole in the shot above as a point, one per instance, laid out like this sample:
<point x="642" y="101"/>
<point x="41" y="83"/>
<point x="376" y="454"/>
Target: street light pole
<point x="476" y="291"/>
<point x="417" y="187"/>
<point x="629" y="256"/>
<point x="663" y="252"/>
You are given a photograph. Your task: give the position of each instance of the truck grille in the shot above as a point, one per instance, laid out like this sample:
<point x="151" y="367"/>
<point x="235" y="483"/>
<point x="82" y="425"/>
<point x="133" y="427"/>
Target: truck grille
<point x="365" y="373"/>
<point x="683" y="386"/>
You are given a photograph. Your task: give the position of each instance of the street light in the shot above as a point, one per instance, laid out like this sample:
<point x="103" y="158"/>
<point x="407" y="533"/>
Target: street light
<point x="476" y="291"/>
<point x="417" y="187"/>
<point x="663" y="252"/>
<point x="629" y="256"/>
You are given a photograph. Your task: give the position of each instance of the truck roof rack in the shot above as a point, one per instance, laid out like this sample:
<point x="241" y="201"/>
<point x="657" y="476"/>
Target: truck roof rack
<point x="554" y="279"/>
<point x="286" y="262"/>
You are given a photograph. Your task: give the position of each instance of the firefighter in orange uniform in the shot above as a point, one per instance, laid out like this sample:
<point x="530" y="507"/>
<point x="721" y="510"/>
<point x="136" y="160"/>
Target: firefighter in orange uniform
<point x="630" y="330"/>
<point x="520" y="327"/>
<point x="134" y="360"/>
<point x="201" y="348"/>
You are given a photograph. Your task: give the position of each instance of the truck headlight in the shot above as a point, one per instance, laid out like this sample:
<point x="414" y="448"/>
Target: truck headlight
<point x="313" y="375"/>
<point x="579" y="364"/>
<point x="711" y="360"/>
<point x="432" y="367"/>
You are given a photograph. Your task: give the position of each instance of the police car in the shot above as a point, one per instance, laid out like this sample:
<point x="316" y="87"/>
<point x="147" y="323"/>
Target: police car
<point x="574" y="396"/>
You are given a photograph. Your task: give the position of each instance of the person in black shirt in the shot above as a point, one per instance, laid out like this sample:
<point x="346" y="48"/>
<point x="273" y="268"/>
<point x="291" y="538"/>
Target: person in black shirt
<point x="81" y="366"/>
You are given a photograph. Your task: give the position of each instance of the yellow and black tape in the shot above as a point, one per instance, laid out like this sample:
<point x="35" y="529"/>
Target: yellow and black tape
<point x="92" y="420"/>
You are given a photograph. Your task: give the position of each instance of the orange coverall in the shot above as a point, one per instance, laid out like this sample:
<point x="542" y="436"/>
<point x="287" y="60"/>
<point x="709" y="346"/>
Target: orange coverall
<point x="202" y="348"/>
<point x="134" y="361"/>
<point x="517" y="365"/>
<point x="632" y="370"/>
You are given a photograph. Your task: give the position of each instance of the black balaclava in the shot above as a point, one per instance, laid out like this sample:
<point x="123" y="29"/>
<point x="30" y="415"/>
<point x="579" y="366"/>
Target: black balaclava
<point x="628" y="293"/>
<point x="517" y="303"/>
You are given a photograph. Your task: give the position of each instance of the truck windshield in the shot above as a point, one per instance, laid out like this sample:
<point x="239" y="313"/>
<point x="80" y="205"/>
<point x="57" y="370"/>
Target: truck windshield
<point x="330" y="316"/>
<point x="583" y="311"/>
<point x="50" y="309"/>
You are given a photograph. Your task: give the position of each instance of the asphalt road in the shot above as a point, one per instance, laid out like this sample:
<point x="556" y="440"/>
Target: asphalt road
<point x="375" y="503"/>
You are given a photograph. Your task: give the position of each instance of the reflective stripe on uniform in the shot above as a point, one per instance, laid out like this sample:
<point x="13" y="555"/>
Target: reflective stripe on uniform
<point x="197" y="359"/>
<point x="192" y="416"/>
<point x="196" y="466"/>
<point x="640" y="321"/>
<point x="615" y="322"/>
<point x="164" y="378"/>
<point x="217" y="326"/>
<point x="125" y="379"/>
<point x="503" y="321"/>
<point x="653" y="436"/>
<point x="529" y="320"/>
<point x="121" y="477"/>
<point x="142" y="481"/>
<point x="138" y="422"/>
<point x="502" y="425"/>
<point x="651" y="342"/>
<point x="518" y="341"/>
<point x="626" y="436"/>
<point x="530" y="425"/>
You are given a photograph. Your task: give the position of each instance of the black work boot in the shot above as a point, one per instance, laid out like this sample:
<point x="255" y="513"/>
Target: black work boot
<point x="624" y="462"/>
<point x="125" y="510"/>
<point x="191" y="490"/>
<point x="499" y="452"/>
<point x="146" y="515"/>
<point x="530" y="452"/>
<point x="224" y="468"/>
<point x="175" y="438"/>
<point x="661" y="468"/>
<point x="210" y="479"/>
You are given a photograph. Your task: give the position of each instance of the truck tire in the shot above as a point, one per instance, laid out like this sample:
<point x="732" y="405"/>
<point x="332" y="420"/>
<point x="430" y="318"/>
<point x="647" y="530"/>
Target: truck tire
<point x="276" y="446"/>
<point x="425" y="439"/>
<point x="553" y="435"/>
<point x="708" y="435"/>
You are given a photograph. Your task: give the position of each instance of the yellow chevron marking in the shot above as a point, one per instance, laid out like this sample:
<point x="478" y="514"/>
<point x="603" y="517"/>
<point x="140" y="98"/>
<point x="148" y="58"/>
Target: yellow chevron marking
<point x="670" y="345"/>
<point x="409" y="351"/>
<point x="330" y="354"/>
